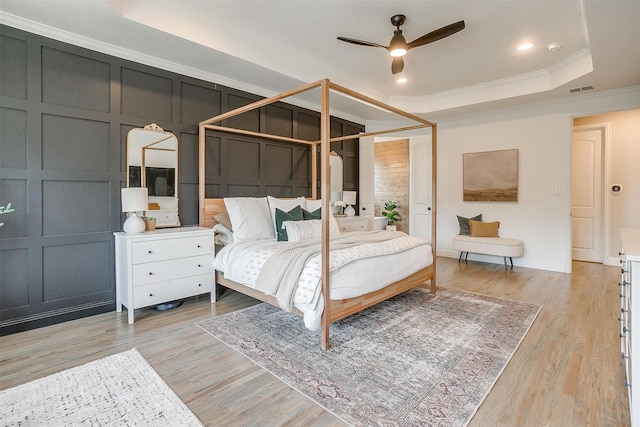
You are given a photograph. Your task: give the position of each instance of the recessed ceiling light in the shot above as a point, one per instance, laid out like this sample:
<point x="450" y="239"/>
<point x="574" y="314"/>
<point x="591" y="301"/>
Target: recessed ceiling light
<point x="525" y="46"/>
<point x="401" y="80"/>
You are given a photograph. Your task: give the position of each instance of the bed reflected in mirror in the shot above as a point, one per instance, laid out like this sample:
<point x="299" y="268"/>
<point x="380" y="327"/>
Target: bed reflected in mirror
<point x="152" y="162"/>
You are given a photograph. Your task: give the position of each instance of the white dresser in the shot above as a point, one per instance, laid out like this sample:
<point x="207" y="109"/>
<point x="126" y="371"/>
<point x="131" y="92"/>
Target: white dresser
<point x="162" y="265"/>
<point x="629" y="320"/>
<point x="352" y="223"/>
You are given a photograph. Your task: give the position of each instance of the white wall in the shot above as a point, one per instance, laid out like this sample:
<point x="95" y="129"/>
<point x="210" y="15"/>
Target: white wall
<point x="542" y="132"/>
<point x="539" y="219"/>
<point x="623" y="169"/>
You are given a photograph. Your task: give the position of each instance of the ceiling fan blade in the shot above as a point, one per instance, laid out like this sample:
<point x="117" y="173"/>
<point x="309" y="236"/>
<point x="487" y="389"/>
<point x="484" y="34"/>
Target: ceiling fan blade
<point x="360" y="42"/>
<point x="397" y="65"/>
<point x="438" y="34"/>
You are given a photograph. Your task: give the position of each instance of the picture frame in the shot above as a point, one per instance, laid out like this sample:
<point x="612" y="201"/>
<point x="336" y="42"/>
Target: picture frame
<point x="490" y="176"/>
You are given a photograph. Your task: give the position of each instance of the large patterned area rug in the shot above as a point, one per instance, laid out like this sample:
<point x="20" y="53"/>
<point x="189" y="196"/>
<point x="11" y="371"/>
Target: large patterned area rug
<point x="118" y="390"/>
<point x="416" y="359"/>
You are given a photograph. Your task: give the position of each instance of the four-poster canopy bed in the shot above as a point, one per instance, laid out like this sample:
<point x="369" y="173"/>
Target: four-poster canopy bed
<point x="334" y="309"/>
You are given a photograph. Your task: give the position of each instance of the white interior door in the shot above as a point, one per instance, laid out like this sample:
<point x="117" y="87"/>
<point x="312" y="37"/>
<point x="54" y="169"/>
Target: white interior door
<point x="420" y="186"/>
<point x="586" y="198"/>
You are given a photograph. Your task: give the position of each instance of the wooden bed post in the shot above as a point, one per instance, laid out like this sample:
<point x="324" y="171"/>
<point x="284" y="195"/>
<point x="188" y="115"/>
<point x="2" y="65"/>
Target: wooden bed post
<point x="339" y="308"/>
<point x="434" y="199"/>
<point x="325" y="192"/>
<point x="201" y="172"/>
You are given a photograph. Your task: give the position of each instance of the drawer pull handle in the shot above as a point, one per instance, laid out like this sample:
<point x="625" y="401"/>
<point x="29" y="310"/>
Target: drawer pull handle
<point x="199" y="284"/>
<point x="623" y="283"/>
<point x="150" y="252"/>
<point x="199" y="265"/>
<point x="623" y="356"/>
<point x="199" y="246"/>
<point x="626" y="384"/>
<point x="622" y="310"/>
<point x="625" y="329"/>
<point x="150" y="295"/>
<point x="150" y="273"/>
<point x="621" y="336"/>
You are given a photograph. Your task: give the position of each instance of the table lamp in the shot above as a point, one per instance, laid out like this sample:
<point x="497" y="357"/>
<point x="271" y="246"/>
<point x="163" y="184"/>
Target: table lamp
<point x="134" y="200"/>
<point x="349" y="198"/>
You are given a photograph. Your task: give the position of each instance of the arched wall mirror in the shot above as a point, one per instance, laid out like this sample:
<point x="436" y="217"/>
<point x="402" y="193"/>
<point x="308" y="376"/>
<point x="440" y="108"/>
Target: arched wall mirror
<point x="152" y="162"/>
<point x="336" y="168"/>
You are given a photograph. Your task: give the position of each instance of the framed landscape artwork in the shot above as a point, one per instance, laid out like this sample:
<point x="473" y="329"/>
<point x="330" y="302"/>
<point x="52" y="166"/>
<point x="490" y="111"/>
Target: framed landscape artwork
<point x="490" y="176"/>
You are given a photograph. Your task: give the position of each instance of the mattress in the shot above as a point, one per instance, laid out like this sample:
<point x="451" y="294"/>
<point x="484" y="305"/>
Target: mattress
<point x="351" y="275"/>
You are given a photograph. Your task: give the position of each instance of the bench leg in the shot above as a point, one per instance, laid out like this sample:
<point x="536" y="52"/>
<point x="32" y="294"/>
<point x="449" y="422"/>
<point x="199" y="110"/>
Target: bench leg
<point x="466" y="254"/>
<point x="505" y="263"/>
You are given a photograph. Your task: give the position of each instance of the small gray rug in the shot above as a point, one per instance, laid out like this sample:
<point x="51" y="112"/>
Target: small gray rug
<point x="416" y="359"/>
<point x="118" y="390"/>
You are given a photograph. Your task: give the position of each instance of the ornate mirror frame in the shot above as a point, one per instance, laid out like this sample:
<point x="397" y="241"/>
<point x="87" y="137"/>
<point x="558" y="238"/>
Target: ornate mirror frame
<point x="152" y="162"/>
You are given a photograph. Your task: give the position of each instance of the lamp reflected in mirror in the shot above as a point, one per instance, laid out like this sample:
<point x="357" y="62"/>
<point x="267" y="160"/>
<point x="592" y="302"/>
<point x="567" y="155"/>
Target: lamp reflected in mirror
<point x="349" y="198"/>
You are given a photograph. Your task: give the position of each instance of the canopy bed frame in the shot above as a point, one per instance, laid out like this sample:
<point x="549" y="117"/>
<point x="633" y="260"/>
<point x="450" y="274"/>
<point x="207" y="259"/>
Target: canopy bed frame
<point x="334" y="309"/>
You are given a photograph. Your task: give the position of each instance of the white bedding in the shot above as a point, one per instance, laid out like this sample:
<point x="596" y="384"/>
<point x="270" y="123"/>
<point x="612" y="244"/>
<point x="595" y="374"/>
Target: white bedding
<point x="354" y="271"/>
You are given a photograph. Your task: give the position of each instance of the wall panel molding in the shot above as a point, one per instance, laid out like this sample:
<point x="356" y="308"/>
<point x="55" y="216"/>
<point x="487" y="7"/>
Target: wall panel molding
<point x="64" y="113"/>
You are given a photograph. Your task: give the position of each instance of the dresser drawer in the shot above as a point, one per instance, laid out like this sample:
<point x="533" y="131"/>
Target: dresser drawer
<point x="352" y="224"/>
<point x="160" y="292"/>
<point x="153" y="272"/>
<point x="159" y="250"/>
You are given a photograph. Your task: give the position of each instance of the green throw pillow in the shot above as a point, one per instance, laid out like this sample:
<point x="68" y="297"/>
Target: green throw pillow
<point x="317" y="214"/>
<point x="464" y="224"/>
<point x="294" y="214"/>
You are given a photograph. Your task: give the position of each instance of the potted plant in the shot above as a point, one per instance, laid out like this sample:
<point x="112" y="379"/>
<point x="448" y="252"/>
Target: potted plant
<point x="392" y="214"/>
<point x="149" y="223"/>
<point x="338" y="207"/>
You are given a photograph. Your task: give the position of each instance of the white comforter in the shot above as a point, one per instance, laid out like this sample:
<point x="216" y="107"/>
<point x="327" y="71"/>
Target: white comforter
<point x="354" y="270"/>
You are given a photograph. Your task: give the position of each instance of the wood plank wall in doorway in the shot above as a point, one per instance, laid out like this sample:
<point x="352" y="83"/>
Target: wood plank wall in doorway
<point x="391" y="178"/>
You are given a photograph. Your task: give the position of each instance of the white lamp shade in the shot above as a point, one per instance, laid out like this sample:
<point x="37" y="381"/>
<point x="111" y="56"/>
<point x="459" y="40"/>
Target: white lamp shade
<point x="135" y="199"/>
<point x="349" y="197"/>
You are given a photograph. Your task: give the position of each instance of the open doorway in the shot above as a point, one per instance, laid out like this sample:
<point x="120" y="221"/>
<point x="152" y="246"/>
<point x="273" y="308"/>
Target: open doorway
<point x="391" y="178"/>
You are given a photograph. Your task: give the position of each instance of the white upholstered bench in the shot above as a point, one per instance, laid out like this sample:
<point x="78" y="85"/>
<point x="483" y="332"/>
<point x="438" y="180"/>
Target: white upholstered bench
<point x="498" y="246"/>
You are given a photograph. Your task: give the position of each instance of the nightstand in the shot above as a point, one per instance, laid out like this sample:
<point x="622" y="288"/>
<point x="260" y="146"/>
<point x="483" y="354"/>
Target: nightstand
<point x="352" y="223"/>
<point x="162" y="265"/>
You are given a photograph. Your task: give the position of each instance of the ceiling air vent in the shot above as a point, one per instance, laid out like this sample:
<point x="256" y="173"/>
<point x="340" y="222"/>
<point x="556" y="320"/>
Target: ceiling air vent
<point x="580" y="89"/>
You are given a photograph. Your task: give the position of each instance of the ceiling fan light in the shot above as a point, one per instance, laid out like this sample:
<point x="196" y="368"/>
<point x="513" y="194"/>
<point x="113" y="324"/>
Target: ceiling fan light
<point x="399" y="51"/>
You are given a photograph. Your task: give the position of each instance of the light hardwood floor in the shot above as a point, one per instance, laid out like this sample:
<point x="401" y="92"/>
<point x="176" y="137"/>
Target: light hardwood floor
<point x="566" y="372"/>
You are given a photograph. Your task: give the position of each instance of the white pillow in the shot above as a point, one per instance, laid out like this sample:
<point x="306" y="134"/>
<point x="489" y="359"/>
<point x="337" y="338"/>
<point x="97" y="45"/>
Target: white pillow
<point x="222" y="240"/>
<point x="285" y="205"/>
<point x="250" y="218"/>
<point x="221" y="229"/>
<point x="310" y="229"/>
<point x="312" y="205"/>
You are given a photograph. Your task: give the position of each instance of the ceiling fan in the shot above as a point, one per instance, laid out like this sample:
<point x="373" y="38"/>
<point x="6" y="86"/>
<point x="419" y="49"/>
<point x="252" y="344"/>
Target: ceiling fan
<point x="398" y="45"/>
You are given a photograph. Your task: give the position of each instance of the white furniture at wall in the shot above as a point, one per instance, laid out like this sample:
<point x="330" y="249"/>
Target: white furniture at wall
<point x="162" y="265"/>
<point x="630" y="323"/>
<point x="352" y="223"/>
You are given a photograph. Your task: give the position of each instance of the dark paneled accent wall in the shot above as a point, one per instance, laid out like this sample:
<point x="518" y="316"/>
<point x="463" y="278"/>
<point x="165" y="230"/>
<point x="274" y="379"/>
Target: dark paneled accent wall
<point x="64" y="115"/>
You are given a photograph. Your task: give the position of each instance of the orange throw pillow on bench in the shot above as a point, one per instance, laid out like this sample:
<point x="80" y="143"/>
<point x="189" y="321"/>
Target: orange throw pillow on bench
<point x="484" y="229"/>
